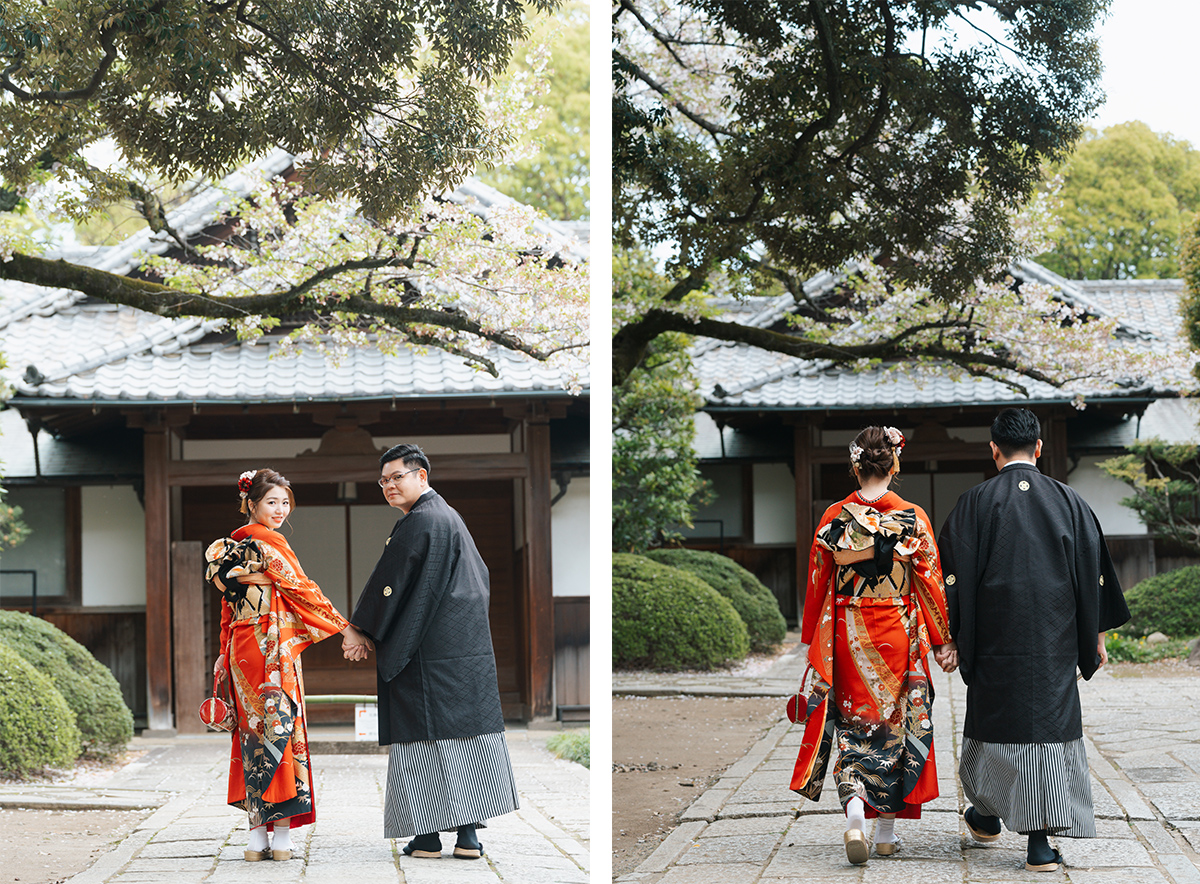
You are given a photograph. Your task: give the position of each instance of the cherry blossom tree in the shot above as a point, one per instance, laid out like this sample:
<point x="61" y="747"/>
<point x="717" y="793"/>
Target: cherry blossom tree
<point x="386" y="108"/>
<point x="758" y="144"/>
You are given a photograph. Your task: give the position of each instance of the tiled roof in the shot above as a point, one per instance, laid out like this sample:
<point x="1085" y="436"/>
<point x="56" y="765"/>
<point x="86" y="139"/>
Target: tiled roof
<point x="738" y="376"/>
<point x="83" y="349"/>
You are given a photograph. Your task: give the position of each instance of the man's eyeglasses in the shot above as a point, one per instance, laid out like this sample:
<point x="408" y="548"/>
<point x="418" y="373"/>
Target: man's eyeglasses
<point x="395" y="477"/>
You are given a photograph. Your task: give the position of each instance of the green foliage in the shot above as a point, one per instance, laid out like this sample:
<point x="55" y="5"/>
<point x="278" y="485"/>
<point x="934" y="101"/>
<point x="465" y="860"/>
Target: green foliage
<point x="37" y="727"/>
<point x="386" y="95"/>
<point x="664" y="618"/>
<point x="1168" y="603"/>
<point x="1124" y="649"/>
<point x="1189" y="305"/>
<point x="787" y="138"/>
<point x="12" y="530"/>
<point x="103" y="719"/>
<point x="656" y="476"/>
<point x="573" y="746"/>
<point x="1166" y="488"/>
<point x="556" y="178"/>
<point x="1128" y="196"/>
<point x="755" y="604"/>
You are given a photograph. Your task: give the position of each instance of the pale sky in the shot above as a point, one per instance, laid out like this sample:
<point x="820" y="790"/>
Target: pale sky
<point x="1151" y="74"/>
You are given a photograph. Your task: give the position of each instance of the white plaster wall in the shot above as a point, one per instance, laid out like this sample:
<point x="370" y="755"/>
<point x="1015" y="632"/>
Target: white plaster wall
<point x="317" y="534"/>
<point x="570" y="550"/>
<point x="113" y="551"/>
<point x="370" y="527"/>
<point x="1104" y="495"/>
<point x="774" y="504"/>
<point x="725" y="483"/>
<point x="258" y="450"/>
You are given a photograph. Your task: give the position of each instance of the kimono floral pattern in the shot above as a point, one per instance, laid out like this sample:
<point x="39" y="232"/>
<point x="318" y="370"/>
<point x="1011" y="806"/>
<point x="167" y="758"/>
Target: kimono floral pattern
<point x="263" y="631"/>
<point x="870" y="620"/>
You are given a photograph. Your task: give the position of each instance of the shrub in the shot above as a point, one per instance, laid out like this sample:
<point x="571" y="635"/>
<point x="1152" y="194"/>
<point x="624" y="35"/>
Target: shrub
<point x="104" y="720"/>
<point x="755" y="604"/>
<point x="1123" y="649"/>
<point x="37" y="727"/>
<point x="1168" y="603"/>
<point x="573" y="746"/>
<point x="665" y="618"/>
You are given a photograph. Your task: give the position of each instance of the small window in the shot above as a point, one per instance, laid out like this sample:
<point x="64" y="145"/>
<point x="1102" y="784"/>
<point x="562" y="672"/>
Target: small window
<point x="47" y="560"/>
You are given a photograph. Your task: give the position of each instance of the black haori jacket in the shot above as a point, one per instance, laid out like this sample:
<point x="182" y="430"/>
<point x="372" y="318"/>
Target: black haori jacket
<point x="1030" y="585"/>
<point x="425" y="607"/>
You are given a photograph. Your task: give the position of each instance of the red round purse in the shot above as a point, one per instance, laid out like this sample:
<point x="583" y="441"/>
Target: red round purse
<point x="216" y="712"/>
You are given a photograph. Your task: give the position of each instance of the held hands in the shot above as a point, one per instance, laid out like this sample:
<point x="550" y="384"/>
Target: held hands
<point x="355" y="645"/>
<point x="946" y="656"/>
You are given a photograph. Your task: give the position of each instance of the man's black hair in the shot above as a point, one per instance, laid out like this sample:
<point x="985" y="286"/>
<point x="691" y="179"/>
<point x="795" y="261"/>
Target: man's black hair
<point x="411" y="455"/>
<point x="1016" y="430"/>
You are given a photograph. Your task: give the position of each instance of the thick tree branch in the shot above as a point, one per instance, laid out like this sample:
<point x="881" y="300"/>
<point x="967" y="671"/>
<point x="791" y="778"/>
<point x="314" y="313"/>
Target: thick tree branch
<point x="630" y="342"/>
<point x="173" y="303"/>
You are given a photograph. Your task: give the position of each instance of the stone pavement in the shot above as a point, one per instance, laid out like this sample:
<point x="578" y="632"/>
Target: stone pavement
<point x="194" y="836"/>
<point x="1143" y="742"/>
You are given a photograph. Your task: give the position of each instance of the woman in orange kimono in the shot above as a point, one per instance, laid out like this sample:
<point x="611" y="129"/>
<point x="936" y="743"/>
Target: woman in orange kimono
<point x="270" y="612"/>
<point x="874" y="608"/>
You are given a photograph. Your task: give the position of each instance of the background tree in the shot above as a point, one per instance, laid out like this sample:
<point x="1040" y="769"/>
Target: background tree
<point x="774" y="139"/>
<point x="555" y="178"/>
<point x="1128" y="195"/>
<point x="1166" y="488"/>
<point x="656" y="475"/>
<point x="382" y="103"/>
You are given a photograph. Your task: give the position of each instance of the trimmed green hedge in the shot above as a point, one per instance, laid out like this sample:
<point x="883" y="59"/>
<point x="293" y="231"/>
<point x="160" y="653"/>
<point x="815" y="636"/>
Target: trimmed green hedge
<point x="665" y="618"/>
<point x="1168" y="603"/>
<point x="572" y="746"/>
<point x="756" y="604"/>
<point x="37" y="727"/>
<point x="84" y="682"/>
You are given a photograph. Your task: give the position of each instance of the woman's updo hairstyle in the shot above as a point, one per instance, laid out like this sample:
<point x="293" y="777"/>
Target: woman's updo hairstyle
<point x="876" y="452"/>
<point x="253" y="486"/>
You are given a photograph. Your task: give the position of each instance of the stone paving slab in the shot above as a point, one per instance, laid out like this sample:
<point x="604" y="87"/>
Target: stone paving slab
<point x="194" y="836"/>
<point x="1141" y="737"/>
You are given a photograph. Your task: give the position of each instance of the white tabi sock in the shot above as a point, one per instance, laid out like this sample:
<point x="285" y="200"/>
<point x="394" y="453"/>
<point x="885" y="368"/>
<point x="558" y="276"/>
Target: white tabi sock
<point x="856" y="814"/>
<point x="258" y="839"/>
<point x="885" y="831"/>
<point x="283" y="836"/>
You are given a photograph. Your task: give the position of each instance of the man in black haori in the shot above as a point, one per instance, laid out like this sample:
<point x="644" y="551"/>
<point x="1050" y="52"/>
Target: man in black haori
<point x="425" y="608"/>
<point x="1031" y="592"/>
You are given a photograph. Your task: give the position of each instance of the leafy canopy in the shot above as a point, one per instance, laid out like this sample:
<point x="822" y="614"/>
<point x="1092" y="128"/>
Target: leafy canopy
<point x="771" y="140"/>
<point x="1128" y="195"/>
<point x="1165" y="480"/>
<point x="656" y="474"/>
<point x="382" y="104"/>
<point x="554" y="175"/>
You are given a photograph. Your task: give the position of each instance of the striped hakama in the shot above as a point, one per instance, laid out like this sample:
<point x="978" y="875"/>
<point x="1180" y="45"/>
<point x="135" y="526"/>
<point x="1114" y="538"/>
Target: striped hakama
<point x="439" y="785"/>
<point x="1033" y="787"/>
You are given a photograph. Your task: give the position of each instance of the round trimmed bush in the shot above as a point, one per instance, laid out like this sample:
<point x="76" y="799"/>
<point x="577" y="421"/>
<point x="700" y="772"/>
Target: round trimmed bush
<point x="104" y="720"/>
<point x="756" y="604"/>
<point x="1167" y="603"/>
<point x="37" y="727"/>
<point x="665" y="618"/>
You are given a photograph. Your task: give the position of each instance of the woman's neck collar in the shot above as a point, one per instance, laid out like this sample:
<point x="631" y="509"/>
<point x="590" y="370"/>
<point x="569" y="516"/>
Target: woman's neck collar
<point x="874" y="490"/>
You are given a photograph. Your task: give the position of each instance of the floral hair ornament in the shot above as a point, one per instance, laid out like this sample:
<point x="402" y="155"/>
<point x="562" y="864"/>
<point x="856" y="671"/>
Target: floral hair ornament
<point x="896" y="438"/>
<point x="855" y="453"/>
<point x="244" y="482"/>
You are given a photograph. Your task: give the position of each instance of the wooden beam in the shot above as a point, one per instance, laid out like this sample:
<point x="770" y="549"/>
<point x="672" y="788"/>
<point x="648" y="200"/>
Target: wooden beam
<point x="193" y="678"/>
<point x="539" y="585"/>
<point x="316" y="469"/>
<point x="802" y="447"/>
<point x="158" y="579"/>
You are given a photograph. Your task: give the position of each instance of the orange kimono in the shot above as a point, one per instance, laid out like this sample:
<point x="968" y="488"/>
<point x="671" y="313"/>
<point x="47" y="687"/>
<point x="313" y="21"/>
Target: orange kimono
<point x="873" y="609"/>
<point x="263" y="631"/>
